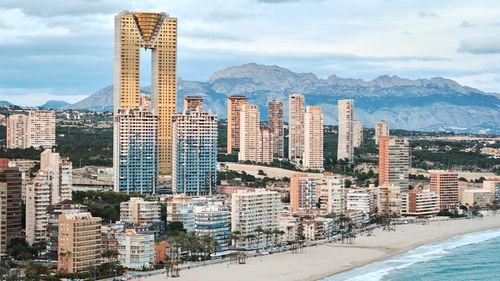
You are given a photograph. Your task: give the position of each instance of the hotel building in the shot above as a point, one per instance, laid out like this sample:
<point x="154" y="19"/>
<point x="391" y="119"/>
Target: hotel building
<point x="10" y="203"/>
<point x="313" y="139"/>
<point x="275" y="116"/>
<point x="137" y="211"/>
<point x="214" y="221"/>
<point x="234" y="106"/>
<point x="250" y="138"/>
<point x="296" y="127"/>
<point x="194" y="152"/>
<point x="445" y="184"/>
<point x="332" y="194"/>
<point x="136" y="251"/>
<point x="156" y="32"/>
<point x="250" y="210"/>
<point x="41" y="129"/>
<point x="381" y="130"/>
<point x="16" y="131"/>
<point x="79" y="242"/>
<point x="418" y="202"/>
<point x="345" y="142"/>
<point x="303" y="192"/>
<point x="394" y="162"/>
<point x="389" y="200"/>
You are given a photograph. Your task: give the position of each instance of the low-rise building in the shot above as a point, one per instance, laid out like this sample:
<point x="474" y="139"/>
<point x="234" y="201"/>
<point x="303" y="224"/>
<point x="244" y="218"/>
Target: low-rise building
<point x="493" y="185"/>
<point x="481" y="197"/>
<point x="138" y="211"/>
<point x="136" y="251"/>
<point x="389" y="200"/>
<point x="418" y="202"/>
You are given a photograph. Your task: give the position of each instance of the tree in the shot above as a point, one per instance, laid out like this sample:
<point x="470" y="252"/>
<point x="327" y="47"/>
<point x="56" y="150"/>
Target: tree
<point x="259" y="231"/>
<point x="36" y="271"/>
<point x="268" y="234"/>
<point x="234" y="237"/>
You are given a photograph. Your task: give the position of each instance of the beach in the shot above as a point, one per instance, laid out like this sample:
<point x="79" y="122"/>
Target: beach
<point x="318" y="262"/>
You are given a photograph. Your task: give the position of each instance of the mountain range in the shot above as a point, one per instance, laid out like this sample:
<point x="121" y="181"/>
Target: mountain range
<point x="435" y="104"/>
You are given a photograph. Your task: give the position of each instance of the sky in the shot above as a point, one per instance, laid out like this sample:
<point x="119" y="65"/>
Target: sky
<point x="63" y="50"/>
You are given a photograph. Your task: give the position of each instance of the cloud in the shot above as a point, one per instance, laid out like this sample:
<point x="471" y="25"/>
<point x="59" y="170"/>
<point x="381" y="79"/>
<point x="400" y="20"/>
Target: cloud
<point x="427" y="14"/>
<point x="49" y="8"/>
<point x="465" y="24"/>
<point x="286" y="1"/>
<point x="480" y="45"/>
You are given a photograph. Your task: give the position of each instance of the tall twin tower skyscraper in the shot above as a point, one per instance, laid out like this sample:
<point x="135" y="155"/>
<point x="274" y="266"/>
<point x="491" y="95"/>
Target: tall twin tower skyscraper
<point x="143" y="132"/>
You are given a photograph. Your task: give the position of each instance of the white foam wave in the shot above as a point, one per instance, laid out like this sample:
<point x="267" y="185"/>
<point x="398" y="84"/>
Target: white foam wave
<point x="376" y="271"/>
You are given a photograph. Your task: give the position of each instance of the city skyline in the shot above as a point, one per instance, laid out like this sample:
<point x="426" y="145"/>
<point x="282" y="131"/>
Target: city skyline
<point x="423" y="40"/>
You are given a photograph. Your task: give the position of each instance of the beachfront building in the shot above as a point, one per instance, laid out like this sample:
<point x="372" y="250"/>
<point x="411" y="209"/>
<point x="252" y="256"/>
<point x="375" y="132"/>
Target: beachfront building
<point x="345" y="148"/>
<point x="135" y="151"/>
<point x="359" y="200"/>
<point x="296" y="127"/>
<point x="275" y="117"/>
<point x="251" y="210"/>
<point x="215" y="221"/>
<point x="381" y="130"/>
<point x="357" y="134"/>
<point x="418" y="202"/>
<point x="137" y="211"/>
<point x="79" y="242"/>
<point x="194" y="151"/>
<point x="445" y="184"/>
<point x="394" y="162"/>
<point x="16" y="131"/>
<point x="331" y="193"/>
<point x="389" y="199"/>
<point x="41" y="129"/>
<point x="250" y="138"/>
<point x="303" y="192"/>
<point x="181" y="209"/>
<point x="313" y="139"/>
<point x="493" y="185"/>
<point x="10" y="203"/>
<point x="234" y="106"/>
<point x="136" y="251"/>
<point x="480" y="197"/>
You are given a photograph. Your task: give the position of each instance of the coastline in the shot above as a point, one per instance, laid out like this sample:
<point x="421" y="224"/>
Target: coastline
<point x="319" y="262"/>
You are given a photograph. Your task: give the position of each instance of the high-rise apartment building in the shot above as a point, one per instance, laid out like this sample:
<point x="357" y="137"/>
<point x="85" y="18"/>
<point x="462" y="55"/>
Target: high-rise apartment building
<point x="10" y="201"/>
<point x="194" y="151"/>
<point x="234" y="105"/>
<point x="296" y="127"/>
<point x="266" y="144"/>
<point x="135" y="250"/>
<point x="303" y="192"/>
<point x="250" y="210"/>
<point x="359" y="200"/>
<point x="394" y="162"/>
<point x="313" y="138"/>
<point x="41" y="129"/>
<point x="156" y="32"/>
<point x="137" y="211"/>
<point x="345" y="148"/>
<point x="381" y="130"/>
<point x="357" y="134"/>
<point x="418" y="202"/>
<point x="445" y="184"/>
<point x="17" y="135"/>
<point x="60" y="173"/>
<point x="79" y="242"/>
<point x="135" y="151"/>
<point x="193" y="104"/>
<point x="250" y="137"/>
<point x="275" y="116"/>
<point x="52" y="231"/>
<point x="389" y="200"/>
<point x="332" y="194"/>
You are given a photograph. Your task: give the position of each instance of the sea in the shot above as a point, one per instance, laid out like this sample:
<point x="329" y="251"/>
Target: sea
<point x="473" y="256"/>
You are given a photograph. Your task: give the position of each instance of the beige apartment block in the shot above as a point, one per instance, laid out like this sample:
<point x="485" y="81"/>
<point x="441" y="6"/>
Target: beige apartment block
<point x="138" y="211"/>
<point x="193" y="104"/>
<point x="296" y="127"/>
<point x="381" y="130"/>
<point x="357" y="134"/>
<point x="234" y="106"/>
<point x="250" y="137"/>
<point x="41" y="129"/>
<point x="17" y="135"/>
<point x="389" y="200"/>
<point x="313" y="139"/>
<point x="445" y="184"/>
<point x="345" y="148"/>
<point x="275" y="116"/>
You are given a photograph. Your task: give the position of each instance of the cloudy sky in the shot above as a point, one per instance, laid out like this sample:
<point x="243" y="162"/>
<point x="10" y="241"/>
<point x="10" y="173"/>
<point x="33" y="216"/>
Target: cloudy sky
<point x="52" y="49"/>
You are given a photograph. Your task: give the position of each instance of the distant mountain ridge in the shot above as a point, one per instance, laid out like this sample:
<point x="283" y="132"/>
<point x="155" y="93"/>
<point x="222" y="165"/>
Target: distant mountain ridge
<point x="54" y="104"/>
<point x="434" y="104"/>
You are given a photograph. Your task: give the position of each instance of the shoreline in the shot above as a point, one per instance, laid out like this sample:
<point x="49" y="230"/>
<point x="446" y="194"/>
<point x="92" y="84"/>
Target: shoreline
<point x="319" y="262"/>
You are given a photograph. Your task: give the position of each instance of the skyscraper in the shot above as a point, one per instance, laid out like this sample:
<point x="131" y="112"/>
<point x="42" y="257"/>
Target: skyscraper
<point x="357" y="134"/>
<point x="266" y="145"/>
<point x="250" y="138"/>
<point x="296" y="127"/>
<point x="313" y="138"/>
<point x="16" y="131"/>
<point x="445" y="184"/>
<point x="156" y="32"/>
<point x="234" y="105"/>
<point x="136" y="162"/>
<point x="41" y="129"/>
<point x="194" y="152"/>
<point x="394" y="162"/>
<point x="345" y="143"/>
<point x="381" y="130"/>
<point x="275" y="116"/>
<point x="10" y="197"/>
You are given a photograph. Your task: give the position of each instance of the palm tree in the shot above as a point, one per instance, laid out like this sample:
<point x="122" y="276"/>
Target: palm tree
<point x="276" y="232"/>
<point x="250" y="238"/>
<point x="259" y="230"/>
<point x="268" y="234"/>
<point x="235" y="237"/>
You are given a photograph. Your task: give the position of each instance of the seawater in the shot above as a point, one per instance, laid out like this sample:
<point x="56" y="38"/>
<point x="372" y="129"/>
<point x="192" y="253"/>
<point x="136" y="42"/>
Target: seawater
<point x="473" y="256"/>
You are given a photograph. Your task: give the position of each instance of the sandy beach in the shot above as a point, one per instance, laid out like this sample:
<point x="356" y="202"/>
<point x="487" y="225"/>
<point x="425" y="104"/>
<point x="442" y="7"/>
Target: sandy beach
<point x="319" y="262"/>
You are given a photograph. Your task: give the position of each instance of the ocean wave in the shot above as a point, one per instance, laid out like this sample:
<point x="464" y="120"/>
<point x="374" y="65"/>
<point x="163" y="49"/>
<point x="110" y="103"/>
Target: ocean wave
<point x="378" y="270"/>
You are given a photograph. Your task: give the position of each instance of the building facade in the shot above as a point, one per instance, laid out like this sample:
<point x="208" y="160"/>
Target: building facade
<point x="156" y="32"/>
<point x="332" y="193"/>
<point x="17" y="131"/>
<point x="193" y="104"/>
<point x="381" y="130"/>
<point x="418" y="202"/>
<point x="389" y="200"/>
<point x="275" y="116"/>
<point x="296" y="127"/>
<point x="394" y="162"/>
<point x="234" y="105"/>
<point x="493" y="185"/>
<point x="11" y="204"/>
<point x="303" y="192"/>
<point x="445" y="184"/>
<point x="136" y="151"/>
<point x="476" y="196"/>
<point x="313" y="139"/>
<point x="357" y="134"/>
<point x="250" y="137"/>
<point x="214" y="221"/>
<point x="136" y="251"/>
<point x="137" y="211"/>
<point x="79" y="242"/>
<point x="194" y="153"/>
<point x="345" y="148"/>
<point x="41" y="129"/>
